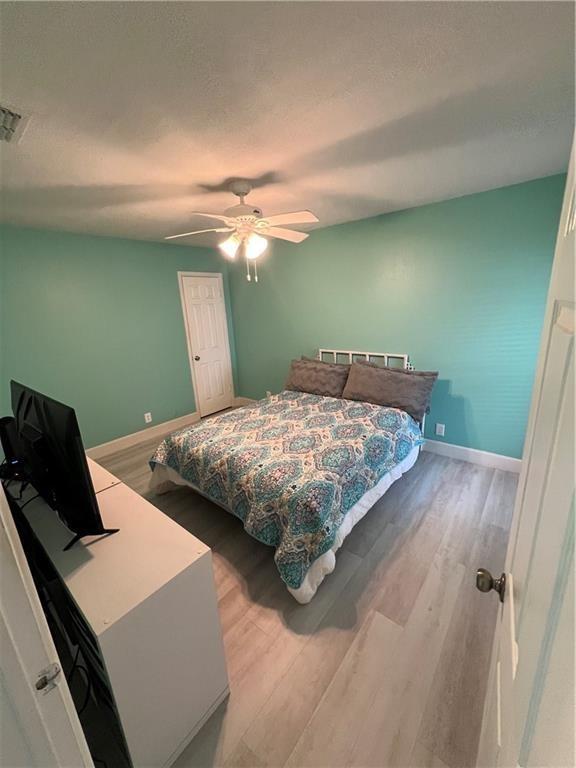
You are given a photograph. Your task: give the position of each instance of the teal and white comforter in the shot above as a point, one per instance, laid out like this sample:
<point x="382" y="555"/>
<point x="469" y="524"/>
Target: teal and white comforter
<point x="291" y="466"/>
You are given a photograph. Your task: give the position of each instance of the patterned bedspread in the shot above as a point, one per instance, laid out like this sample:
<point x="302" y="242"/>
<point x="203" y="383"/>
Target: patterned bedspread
<point x="291" y="466"/>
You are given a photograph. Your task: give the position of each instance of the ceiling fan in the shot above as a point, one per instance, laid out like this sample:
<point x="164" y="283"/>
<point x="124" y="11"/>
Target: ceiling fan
<point x="247" y="227"/>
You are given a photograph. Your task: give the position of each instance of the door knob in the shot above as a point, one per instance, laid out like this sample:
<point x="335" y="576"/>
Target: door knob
<point x="485" y="582"/>
<point x="196" y="357"/>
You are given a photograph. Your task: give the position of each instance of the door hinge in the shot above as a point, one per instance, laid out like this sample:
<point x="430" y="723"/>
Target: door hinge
<point x="47" y="678"/>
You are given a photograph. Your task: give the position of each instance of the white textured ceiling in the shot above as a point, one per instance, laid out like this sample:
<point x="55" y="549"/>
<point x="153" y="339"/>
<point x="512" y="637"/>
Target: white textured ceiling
<point x="349" y="109"/>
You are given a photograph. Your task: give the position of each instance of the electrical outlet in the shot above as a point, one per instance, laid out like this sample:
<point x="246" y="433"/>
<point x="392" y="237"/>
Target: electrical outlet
<point x="268" y="393"/>
<point x="440" y="429"/>
<point x="148" y="418"/>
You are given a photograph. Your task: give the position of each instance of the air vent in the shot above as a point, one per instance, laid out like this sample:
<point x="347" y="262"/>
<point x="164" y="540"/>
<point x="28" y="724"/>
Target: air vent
<point x="9" y="121"/>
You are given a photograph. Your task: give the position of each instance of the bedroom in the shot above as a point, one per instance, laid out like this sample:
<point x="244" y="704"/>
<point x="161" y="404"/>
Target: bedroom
<point x="431" y="141"/>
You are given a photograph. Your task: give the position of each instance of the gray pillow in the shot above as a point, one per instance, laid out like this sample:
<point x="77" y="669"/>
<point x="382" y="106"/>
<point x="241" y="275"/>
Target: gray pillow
<point x="394" y="387"/>
<point x="317" y="377"/>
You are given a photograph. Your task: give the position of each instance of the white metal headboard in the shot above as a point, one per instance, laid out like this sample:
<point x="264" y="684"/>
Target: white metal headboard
<point x="351" y="355"/>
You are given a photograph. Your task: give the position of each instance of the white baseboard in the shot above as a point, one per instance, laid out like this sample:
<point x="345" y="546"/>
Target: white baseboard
<point x="474" y="456"/>
<point x="483" y="458"/>
<point x="128" y="441"/>
<point x="239" y="401"/>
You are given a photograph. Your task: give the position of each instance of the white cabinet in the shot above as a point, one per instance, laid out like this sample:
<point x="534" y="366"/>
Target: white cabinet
<point x="148" y="595"/>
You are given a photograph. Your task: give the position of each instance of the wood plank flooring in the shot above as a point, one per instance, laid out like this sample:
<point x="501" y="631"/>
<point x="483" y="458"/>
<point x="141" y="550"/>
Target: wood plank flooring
<point x="388" y="665"/>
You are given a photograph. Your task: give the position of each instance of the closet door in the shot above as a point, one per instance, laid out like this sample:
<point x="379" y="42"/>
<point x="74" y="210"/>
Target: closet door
<point x="208" y="346"/>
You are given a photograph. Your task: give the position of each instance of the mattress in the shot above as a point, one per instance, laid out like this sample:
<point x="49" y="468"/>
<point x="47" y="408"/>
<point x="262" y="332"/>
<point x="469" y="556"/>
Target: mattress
<point x="293" y="467"/>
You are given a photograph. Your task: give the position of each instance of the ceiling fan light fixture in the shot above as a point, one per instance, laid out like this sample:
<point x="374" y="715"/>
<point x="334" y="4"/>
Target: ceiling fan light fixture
<point x="255" y="245"/>
<point x="248" y="229"/>
<point x="230" y="246"/>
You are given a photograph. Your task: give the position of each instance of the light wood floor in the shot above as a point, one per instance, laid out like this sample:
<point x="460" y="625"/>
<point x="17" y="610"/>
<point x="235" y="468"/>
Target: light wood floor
<point x="387" y="666"/>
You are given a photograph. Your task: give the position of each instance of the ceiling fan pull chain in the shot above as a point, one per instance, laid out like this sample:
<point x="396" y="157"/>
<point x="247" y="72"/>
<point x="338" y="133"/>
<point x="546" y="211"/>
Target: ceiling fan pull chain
<point x="255" y="271"/>
<point x="248" y="271"/>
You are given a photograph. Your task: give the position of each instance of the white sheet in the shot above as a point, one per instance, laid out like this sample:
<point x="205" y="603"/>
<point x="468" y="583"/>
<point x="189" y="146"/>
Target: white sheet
<point x="164" y="478"/>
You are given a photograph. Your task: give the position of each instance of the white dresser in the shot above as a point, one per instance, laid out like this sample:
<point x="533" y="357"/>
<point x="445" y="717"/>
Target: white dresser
<point x="148" y="595"/>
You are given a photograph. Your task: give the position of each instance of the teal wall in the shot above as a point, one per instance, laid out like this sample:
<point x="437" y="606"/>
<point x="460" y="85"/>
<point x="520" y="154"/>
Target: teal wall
<point x="459" y="285"/>
<point x="97" y="323"/>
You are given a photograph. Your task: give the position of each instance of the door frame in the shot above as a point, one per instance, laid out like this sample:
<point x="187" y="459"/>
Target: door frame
<point x="181" y="278"/>
<point x="57" y="731"/>
<point x="499" y="700"/>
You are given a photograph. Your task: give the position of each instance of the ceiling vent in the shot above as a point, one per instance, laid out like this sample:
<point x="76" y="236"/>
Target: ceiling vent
<point x="9" y="122"/>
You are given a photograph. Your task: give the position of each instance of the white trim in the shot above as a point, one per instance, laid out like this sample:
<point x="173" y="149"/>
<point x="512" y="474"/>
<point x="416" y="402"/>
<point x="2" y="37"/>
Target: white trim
<point x="129" y="441"/>
<point x="474" y="456"/>
<point x="181" y="276"/>
<point x="240" y="401"/>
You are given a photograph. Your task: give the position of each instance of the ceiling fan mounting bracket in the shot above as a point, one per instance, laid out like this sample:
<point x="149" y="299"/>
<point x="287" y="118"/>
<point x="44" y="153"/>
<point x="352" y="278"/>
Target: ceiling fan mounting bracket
<point x="240" y="188"/>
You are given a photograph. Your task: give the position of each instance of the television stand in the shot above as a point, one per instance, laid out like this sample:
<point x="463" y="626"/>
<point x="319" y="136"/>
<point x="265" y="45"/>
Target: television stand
<point x="101" y="535"/>
<point x="149" y="611"/>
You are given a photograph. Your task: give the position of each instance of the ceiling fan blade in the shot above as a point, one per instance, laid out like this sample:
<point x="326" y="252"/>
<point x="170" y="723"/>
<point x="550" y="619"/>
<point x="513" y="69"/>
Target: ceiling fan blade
<point x="218" y="216"/>
<point x="297" y="217"/>
<point x="199" y="232"/>
<point x="283" y="234"/>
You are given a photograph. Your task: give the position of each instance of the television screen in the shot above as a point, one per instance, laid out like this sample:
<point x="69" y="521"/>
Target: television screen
<point x="55" y="461"/>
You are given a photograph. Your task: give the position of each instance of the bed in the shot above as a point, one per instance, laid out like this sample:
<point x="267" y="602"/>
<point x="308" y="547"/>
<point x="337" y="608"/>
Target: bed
<point x="299" y="470"/>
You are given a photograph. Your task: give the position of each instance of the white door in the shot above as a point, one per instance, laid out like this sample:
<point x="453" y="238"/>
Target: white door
<point x="530" y="706"/>
<point x="207" y="334"/>
<point x="37" y="727"/>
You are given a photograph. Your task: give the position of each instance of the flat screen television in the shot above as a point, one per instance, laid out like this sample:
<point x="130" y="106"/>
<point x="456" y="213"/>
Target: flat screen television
<point x="55" y="462"/>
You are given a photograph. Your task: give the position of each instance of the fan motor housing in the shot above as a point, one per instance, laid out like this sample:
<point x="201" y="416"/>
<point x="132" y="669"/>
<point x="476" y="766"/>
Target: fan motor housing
<point x="244" y="212"/>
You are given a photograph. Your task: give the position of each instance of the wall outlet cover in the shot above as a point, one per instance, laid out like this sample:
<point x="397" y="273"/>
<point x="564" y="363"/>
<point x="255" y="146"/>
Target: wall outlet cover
<point x="440" y="429"/>
<point x="148" y="418"/>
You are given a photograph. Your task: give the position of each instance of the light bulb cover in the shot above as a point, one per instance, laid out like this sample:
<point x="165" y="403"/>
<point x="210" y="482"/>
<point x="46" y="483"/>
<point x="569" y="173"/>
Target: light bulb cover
<point x="255" y="245"/>
<point x="230" y="246"/>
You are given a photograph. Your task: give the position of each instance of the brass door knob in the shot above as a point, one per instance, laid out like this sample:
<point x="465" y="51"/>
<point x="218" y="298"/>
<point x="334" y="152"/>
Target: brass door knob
<point x="485" y="582"/>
